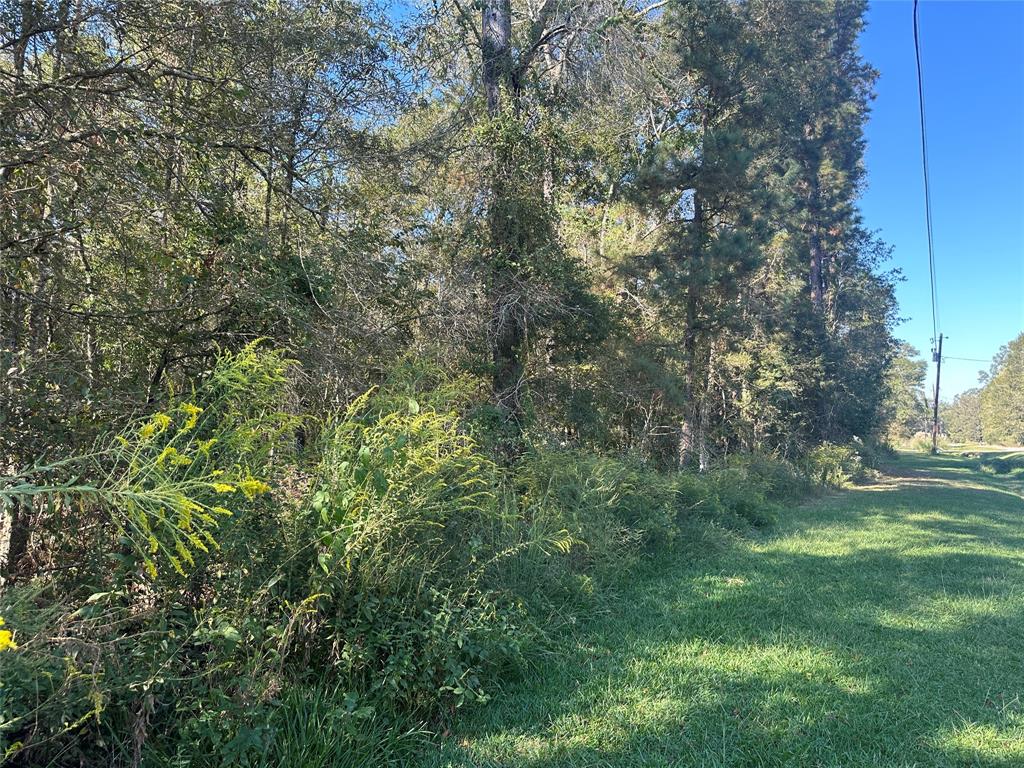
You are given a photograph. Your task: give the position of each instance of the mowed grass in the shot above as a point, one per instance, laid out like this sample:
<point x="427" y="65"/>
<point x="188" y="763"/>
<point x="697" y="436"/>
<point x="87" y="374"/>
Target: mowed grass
<point x="882" y="626"/>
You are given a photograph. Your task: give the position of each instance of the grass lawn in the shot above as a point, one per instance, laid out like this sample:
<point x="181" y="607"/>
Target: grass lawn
<point x="883" y="626"/>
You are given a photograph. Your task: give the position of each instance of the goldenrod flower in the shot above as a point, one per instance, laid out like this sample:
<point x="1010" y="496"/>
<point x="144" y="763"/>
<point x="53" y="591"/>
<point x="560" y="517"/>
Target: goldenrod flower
<point x="223" y="487"/>
<point x="192" y="411"/>
<point x="156" y="425"/>
<point x="7" y="638"/>
<point x="251" y="488"/>
<point x="169" y="452"/>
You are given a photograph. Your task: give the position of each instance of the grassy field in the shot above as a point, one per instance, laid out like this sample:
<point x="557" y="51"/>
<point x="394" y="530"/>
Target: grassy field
<point x="882" y="626"/>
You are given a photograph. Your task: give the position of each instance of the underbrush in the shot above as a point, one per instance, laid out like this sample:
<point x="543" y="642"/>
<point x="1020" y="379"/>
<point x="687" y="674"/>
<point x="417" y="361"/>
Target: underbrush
<point x="836" y="466"/>
<point x="921" y="442"/>
<point x="235" y="595"/>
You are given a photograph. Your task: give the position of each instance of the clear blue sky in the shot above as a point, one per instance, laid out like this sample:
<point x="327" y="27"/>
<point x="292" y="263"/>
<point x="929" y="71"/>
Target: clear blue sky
<point x="973" y="56"/>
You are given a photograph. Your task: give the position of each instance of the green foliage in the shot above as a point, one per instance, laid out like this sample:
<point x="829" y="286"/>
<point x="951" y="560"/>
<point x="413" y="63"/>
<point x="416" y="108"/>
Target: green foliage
<point x="834" y="465"/>
<point x="168" y="480"/>
<point x="921" y="442"/>
<point x="551" y="303"/>
<point x="907" y="407"/>
<point x="1002" y="397"/>
<point x="1011" y="464"/>
<point x="397" y="561"/>
<point x="779" y="479"/>
<point x="611" y="508"/>
<point x="103" y="640"/>
<point x="961" y="419"/>
<point x="406" y="521"/>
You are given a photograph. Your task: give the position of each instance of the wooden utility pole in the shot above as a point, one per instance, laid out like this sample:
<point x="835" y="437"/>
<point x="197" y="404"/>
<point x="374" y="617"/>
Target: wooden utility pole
<point x="935" y="405"/>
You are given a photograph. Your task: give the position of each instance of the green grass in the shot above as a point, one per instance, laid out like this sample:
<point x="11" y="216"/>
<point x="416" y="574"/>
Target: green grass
<point x="882" y="626"/>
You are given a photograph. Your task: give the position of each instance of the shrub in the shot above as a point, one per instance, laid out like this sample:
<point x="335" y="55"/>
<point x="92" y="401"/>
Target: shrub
<point x="612" y="509"/>
<point x="144" y="601"/>
<point x="834" y="465"/>
<point x="741" y="498"/>
<point x="407" y="523"/>
<point x="778" y="478"/>
<point x="921" y="442"/>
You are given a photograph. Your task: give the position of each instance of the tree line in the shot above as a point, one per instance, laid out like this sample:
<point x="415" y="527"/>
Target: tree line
<point x="992" y="413"/>
<point x="347" y="350"/>
<point x="638" y="222"/>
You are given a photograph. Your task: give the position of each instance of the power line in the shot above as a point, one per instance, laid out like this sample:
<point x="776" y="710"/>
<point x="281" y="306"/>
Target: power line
<point x="927" y="181"/>
<point x="967" y="359"/>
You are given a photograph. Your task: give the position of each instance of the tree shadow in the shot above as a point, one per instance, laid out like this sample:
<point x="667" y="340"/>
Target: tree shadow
<point x="871" y="651"/>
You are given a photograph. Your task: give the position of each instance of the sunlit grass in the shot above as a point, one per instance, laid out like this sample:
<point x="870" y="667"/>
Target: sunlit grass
<point x="879" y="627"/>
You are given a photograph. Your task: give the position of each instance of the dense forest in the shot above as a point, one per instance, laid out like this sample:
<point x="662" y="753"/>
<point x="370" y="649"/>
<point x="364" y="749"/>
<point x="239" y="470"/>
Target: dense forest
<point x="345" y="347"/>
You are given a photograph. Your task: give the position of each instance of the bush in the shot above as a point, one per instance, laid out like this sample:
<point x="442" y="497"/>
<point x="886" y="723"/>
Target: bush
<point x="921" y="442"/>
<point x="834" y="465"/>
<point x="612" y="509"/>
<point x="779" y="479"/>
<point x="377" y="568"/>
<point x="406" y="521"/>
<point x="131" y="613"/>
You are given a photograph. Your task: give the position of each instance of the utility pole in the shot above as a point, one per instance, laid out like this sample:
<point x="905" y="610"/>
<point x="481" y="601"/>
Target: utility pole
<point x="937" y="357"/>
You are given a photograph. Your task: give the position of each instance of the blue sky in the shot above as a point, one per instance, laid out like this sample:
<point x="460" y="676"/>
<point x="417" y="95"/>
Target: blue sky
<point x="973" y="56"/>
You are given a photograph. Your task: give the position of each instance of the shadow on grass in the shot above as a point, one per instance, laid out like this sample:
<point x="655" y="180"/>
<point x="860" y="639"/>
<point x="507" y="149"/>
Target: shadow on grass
<point x="872" y="630"/>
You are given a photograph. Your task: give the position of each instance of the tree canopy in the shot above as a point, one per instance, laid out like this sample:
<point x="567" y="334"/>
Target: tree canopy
<point x="639" y="222"/>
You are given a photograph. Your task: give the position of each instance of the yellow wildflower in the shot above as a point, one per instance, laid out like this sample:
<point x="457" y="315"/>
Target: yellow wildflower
<point x="206" y="445"/>
<point x="154" y="426"/>
<point x="192" y="412"/>
<point x="167" y="453"/>
<point x="184" y="553"/>
<point x="7" y="638"/>
<point x="223" y="487"/>
<point x="222" y="511"/>
<point x="251" y="488"/>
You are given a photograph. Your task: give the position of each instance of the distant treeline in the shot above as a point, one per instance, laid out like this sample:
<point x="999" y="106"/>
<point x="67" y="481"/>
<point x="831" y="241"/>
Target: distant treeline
<point x="992" y="413"/>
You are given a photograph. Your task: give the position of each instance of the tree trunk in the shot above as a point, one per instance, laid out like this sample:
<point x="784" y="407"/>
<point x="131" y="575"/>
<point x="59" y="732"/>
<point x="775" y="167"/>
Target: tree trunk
<point x="496" y="39"/>
<point x="14" y="538"/>
<point x="817" y="252"/>
<point x="689" y="433"/>
<point x="508" y="317"/>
